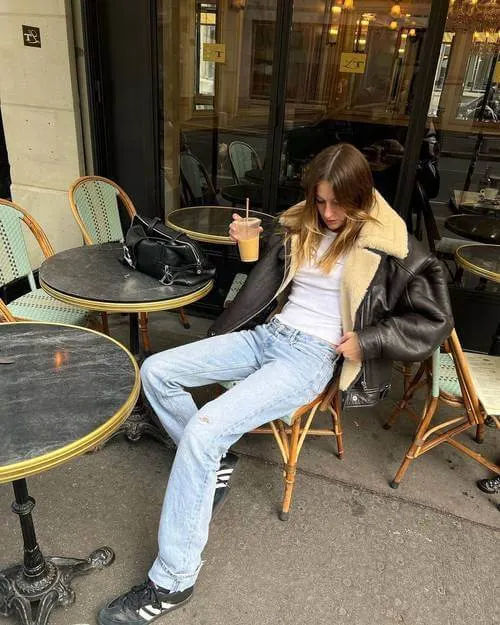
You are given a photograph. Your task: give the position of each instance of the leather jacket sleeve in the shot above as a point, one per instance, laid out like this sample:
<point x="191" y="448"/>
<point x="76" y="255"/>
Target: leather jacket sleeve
<point x="421" y="320"/>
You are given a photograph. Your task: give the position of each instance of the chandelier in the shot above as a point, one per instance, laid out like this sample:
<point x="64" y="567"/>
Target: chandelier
<point x="474" y="15"/>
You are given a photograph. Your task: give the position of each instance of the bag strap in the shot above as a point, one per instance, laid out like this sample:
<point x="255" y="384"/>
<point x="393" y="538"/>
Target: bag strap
<point x="151" y="226"/>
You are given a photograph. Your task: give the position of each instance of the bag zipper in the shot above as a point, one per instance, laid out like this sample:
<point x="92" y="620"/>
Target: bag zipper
<point x="190" y="245"/>
<point x="363" y="379"/>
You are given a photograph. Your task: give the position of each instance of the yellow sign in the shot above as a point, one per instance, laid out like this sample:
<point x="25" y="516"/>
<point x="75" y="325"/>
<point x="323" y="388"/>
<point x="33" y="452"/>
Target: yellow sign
<point x="215" y="52"/>
<point x="496" y="73"/>
<point x="352" y="62"/>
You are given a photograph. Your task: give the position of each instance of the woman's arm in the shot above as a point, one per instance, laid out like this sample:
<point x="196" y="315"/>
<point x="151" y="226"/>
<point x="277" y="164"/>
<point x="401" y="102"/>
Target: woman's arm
<point x="420" y="322"/>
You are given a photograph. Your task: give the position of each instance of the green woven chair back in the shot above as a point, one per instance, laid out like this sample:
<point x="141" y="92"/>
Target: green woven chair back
<point x="14" y="259"/>
<point x="445" y="376"/>
<point x="243" y="158"/>
<point x="97" y="204"/>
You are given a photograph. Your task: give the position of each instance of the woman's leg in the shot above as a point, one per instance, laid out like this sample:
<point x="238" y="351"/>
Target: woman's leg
<point x="293" y="372"/>
<point x="166" y="375"/>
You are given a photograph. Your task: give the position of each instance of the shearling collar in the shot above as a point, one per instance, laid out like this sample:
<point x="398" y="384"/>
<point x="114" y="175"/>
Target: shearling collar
<point x="387" y="234"/>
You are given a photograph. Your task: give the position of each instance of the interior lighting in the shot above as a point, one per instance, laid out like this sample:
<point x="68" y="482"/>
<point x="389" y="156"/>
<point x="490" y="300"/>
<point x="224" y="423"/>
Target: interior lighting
<point x="349" y="4"/>
<point x="333" y="33"/>
<point x="412" y="32"/>
<point x="238" y="5"/>
<point x="393" y="25"/>
<point x="396" y="10"/>
<point x="336" y="10"/>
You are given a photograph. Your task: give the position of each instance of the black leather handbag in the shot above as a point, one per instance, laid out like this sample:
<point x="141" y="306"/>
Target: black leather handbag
<point x="165" y="254"/>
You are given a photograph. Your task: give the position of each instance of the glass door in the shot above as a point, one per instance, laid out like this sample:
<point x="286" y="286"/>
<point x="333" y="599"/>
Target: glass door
<point x="215" y="72"/>
<point x="466" y="113"/>
<point x="215" y="69"/>
<point x="351" y="78"/>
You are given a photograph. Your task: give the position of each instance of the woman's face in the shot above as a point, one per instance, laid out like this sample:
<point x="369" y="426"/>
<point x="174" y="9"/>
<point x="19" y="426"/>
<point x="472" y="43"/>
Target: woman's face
<point x="332" y="213"/>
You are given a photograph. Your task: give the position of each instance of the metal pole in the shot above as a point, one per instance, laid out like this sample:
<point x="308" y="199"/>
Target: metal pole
<point x="284" y="16"/>
<point x="424" y="81"/>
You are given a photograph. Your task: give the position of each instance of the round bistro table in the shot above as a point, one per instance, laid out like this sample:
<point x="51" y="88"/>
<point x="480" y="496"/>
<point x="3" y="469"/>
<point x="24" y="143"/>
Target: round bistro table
<point x="64" y="390"/>
<point x="210" y="224"/>
<point x="479" y="228"/>
<point x="483" y="261"/>
<point x="93" y="277"/>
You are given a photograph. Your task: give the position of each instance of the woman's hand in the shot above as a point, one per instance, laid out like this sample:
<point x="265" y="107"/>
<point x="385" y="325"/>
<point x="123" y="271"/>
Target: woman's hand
<point x="233" y="227"/>
<point x="349" y="347"/>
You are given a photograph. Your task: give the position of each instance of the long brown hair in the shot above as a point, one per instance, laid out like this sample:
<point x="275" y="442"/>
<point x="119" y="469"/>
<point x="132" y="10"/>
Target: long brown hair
<point x="348" y="172"/>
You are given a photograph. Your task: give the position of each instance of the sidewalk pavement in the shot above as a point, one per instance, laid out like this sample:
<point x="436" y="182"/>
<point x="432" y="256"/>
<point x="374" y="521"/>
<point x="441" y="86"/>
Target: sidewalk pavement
<point x="353" y="552"/>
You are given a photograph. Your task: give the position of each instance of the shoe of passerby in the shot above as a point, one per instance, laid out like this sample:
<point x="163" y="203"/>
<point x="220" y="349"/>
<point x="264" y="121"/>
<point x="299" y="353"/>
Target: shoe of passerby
<point x="143" y="604"/>
<point x="226" y="469"/>
<point x="490" y="485"/>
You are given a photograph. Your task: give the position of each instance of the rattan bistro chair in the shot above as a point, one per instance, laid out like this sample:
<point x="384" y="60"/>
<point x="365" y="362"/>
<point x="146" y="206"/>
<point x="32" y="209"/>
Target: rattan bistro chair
<point x="36" y="304"/>
<point x="242" y="157"/>
<point x="291" y="430"/>
<point x="5" y="314"/>
<point x="94" y="203"/>
<point x="448" y="380"/>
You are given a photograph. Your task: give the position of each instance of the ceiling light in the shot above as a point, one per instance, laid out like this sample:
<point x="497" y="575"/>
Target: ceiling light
<point x="395" y="10"/>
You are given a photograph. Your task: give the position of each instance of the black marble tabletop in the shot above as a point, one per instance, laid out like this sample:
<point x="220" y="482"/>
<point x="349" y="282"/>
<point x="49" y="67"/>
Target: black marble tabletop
<point x="62" y="388"/>
<point x="96" y="273"/>
<point x="475" y="227"/>
<point x="206" y="223"/>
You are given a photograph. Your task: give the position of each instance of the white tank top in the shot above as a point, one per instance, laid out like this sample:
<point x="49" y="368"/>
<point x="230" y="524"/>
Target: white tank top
<point x="314" y="302"/>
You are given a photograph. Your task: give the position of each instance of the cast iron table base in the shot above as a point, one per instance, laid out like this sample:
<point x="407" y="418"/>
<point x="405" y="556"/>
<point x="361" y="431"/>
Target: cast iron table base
<point x="41" y="580"/>
<point x="141" y="420"/>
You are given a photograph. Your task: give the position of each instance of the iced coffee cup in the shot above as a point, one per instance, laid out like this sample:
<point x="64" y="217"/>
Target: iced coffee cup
<point x="248" y="238"/>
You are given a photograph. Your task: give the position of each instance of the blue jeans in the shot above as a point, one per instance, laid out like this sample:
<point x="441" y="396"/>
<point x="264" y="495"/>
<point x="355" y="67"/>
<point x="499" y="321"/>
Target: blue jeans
<point x="280" y="368"/>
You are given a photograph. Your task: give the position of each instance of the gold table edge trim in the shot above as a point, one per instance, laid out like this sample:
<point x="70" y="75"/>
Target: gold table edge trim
<point x="483" y="273"/>
<point x="27" y="468"/>
<point x="205" y="238"/>
<point x="135" y="307"/>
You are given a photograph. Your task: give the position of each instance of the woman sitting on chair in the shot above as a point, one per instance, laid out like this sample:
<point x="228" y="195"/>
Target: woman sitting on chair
<point x="359" y="294"/>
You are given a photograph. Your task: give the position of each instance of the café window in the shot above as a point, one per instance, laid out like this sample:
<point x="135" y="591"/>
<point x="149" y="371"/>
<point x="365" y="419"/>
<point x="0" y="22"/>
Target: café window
<point x="480" y="98"/>
<point x="206" y="32"/>
<point x="441" y="72"/>
<point x="304" y="58"/>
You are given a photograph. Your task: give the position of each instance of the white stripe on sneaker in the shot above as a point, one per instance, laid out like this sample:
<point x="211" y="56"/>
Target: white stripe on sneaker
<point x="147" y="615"/>
<point x="224" y="472"/>
<point x="223" y="478"/>
<point x="221" y="485"/>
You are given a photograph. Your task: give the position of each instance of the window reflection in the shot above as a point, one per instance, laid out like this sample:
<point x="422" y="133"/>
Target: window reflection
<point x="206" y="28"/>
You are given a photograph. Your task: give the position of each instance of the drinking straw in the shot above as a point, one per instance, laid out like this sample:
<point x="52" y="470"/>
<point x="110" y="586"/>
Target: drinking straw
<point x="247" y="215"/>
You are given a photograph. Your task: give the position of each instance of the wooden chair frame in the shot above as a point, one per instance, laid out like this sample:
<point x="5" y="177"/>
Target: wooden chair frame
<point x="129" y="205"/>
<point x="429" y="436"/>
<point x="5" y="314"/>
<point x="290" y="439"/>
